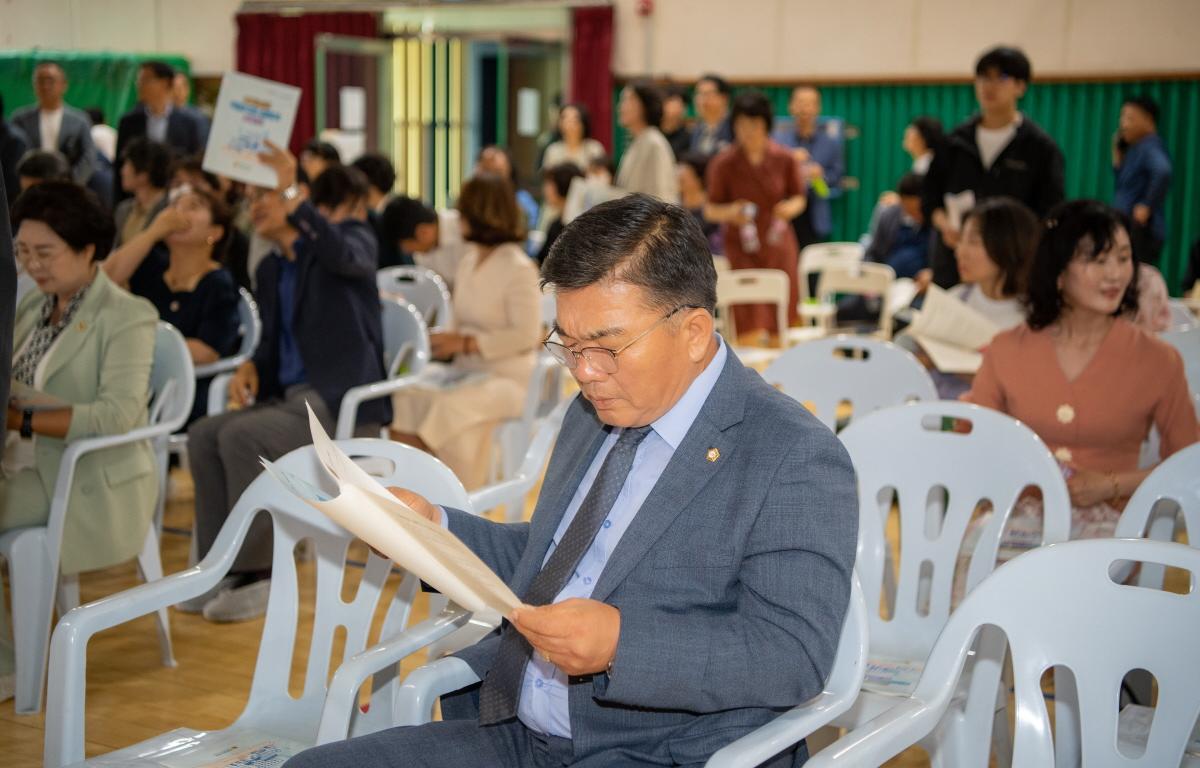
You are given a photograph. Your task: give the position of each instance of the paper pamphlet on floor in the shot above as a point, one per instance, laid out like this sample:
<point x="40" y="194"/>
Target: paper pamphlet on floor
<point x="957" y="206"/>
<point x="187" y="748"/>
<point x="26" y="398"/>
<point x="369" y="511"/>
<point x="249" y="111"/>
<point x="951" y="332"/>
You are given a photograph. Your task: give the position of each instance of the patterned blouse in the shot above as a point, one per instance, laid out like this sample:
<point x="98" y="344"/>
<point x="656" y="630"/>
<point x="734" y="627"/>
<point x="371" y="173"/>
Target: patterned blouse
<point x="25" y="366"/>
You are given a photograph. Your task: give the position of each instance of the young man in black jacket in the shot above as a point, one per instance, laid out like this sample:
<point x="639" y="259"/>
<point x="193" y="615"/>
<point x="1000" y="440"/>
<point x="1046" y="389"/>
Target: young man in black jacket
<point x="998" y="152"/>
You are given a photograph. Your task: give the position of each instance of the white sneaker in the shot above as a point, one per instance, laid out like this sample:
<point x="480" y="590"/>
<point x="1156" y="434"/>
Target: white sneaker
<point x="196" y="604"/>
<point x="239" y="604"/>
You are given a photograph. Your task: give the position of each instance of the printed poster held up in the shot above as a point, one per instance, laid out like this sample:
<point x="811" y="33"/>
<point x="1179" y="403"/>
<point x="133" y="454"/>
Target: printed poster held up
<point x="249" y="111"/>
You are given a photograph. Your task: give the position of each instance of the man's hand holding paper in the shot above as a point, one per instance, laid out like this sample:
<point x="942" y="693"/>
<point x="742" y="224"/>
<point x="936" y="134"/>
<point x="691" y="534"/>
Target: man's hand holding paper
<point x="578" y="636"/>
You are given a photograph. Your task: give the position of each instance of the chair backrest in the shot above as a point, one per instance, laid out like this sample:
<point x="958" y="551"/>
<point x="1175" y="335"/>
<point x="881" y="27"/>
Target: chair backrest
<point x="938" y="478"/>
<point x="1188" y="344"/>
<point x="405" y="338"/>
<point x="421" y="287"/>
<point x="172" y="378"/>
<point x="752" y="286"/>
<point x="542" y="396"/>
<point x="1172" y="490"/>
<point x="818" y="256"/>
<point x="869" y="373"/>
<point x="250" y="333"/>
<point x="1060" y="606"/>
<point x="270" y="704"/>
<point x="863" y="279"/>
<point x="721" y="263"/>
<point x="1182" y="318"/>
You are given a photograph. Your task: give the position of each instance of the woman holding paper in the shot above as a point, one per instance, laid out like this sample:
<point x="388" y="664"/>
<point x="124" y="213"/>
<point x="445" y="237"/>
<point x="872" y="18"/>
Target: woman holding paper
<point x="497" y="309"/>
<point x="86" y="347"/>
<point x="1081" y="374"/>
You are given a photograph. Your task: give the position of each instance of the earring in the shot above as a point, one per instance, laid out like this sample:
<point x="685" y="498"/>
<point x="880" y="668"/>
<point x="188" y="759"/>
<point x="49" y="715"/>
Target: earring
<point x="211" y="240"/>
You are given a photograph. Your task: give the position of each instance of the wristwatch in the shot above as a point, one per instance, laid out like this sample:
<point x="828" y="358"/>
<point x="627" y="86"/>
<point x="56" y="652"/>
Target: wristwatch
<point x="26" y="424"/>
<point x="291" y="192"/>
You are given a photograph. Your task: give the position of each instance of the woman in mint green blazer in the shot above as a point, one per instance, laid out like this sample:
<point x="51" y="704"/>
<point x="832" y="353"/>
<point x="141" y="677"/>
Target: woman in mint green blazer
<point x="83" y="340"/>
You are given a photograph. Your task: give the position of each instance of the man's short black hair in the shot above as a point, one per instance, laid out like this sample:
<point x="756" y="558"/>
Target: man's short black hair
<point x="44" y="165"/>
<point x="1144" y="103"/>
<point x="401" y="217"/>
<point x="379" y="171"/>
<point x="336" y="185"/>
<point x="910" y="185"/>
<point x="96" y="114"/>
<point x="161" y="70"/>
<point x="753" y="104"/>
<point x="323" y="150"/>
<point x="721" y="83"/>
<point x="930" y="130"/>
<point x="151" y="158"/>
<point x="561" y="176"/>
<point x="675" y="91"/>
<point x="1007" y="61"/>
<point x="639" y="240"/>
<point x="650" y="97"/>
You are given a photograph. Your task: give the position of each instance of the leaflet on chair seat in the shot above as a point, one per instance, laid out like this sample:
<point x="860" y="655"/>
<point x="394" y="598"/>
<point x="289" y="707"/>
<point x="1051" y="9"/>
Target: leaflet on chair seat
<point x="369" y="511"/>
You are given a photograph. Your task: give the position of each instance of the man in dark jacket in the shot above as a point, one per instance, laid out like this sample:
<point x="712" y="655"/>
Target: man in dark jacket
<point x="8" y="293"/>
<point x="322" y="334"/>
<point x="1142" y="170"/>
<point x="997" y="152"/>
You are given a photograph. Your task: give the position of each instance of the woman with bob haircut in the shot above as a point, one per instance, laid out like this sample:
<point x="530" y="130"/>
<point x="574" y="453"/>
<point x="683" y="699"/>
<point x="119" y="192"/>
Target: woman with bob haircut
<point x="492" y="350"/>
<point x="1088" y="381"/>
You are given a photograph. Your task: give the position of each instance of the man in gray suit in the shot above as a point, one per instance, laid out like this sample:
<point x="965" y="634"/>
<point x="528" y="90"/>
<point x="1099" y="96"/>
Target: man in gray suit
<point x="687" y="569"/>
<point x="54" y="125"/>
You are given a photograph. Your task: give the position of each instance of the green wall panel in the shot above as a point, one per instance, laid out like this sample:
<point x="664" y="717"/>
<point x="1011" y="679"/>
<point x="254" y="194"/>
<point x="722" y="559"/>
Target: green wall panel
<point x="96" y="79"/>
<point x="1080" y="115"/>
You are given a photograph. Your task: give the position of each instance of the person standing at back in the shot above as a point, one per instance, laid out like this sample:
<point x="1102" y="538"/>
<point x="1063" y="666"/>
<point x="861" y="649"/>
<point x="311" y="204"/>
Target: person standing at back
<point x="54" y="125"/>
<point x="998" y="152"/>
<point x="1143" y="176"/>
<point x="820" y="155"/>
<point x="156" y="117"/>
<point x="714" y="129"/>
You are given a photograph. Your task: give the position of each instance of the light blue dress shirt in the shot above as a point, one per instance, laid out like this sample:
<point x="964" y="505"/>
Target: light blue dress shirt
<point x="543" y="706"/>
<point x="156" y="125"/>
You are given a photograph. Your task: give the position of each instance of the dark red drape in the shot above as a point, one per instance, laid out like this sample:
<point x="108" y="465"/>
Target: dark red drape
<point x="591" y="68"/>
<point x="281" y="48"/>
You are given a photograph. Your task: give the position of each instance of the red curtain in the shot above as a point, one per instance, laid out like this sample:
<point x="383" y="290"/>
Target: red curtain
<point x="591" y="68"/>
<point x="281" y="48"/>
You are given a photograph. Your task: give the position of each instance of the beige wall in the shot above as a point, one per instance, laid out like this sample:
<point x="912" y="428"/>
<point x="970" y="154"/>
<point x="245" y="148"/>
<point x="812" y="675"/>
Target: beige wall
<point x="794" y="39"/>
<point x="201" y="30"/>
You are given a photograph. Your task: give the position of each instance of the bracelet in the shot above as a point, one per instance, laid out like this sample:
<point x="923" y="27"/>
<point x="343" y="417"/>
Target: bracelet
<point x="466" y="343"/>
<point x="1116" y="487"/>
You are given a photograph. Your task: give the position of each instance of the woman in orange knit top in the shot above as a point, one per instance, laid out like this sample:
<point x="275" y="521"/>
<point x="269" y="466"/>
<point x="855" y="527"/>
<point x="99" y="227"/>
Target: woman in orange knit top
<point x="1080" y="374"/>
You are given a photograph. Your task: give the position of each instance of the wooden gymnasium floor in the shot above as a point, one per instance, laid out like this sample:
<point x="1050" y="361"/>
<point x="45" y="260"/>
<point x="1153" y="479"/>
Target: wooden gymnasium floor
<point x="131" y="697"/>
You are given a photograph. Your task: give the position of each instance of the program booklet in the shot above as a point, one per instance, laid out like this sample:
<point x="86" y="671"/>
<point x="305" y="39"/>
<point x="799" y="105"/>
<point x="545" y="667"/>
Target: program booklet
<point x="951" y="332"/>
<point x="427" y="550"/>
<point x="249" y="111"/>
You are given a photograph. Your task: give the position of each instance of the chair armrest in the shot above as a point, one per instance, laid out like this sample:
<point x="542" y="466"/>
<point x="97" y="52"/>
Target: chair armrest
<point x="425" y="685"/>
<point x="224" y="365"/>
<point x="784" y="731"/>
<point x="218" y="393"/>
<point x="356" y="396"/>
<point x="514" y="490"/>
<point x="341" y="697"/>
<point x="878" y="740"/>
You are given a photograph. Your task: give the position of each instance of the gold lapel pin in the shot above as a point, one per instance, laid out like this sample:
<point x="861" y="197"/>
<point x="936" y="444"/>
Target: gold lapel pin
<point x="712" y="455"/>
<point x="82" y="326"/>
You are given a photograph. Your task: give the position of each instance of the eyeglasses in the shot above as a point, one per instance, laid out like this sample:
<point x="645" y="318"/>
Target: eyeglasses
<point x="601" y="358"/>
<point x="28" y="258"/>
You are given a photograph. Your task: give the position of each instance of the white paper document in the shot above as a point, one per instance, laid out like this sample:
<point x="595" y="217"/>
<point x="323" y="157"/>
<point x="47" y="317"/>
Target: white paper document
<point x="249" y="111"/>
<point x="951" y="332"/>
<point x="369" y="511"/>
<point x="957" y="206"/>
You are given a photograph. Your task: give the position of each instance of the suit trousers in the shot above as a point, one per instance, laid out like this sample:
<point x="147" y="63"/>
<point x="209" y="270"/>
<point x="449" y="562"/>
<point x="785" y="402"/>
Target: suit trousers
<point x="457" y="743"/>
<point x="223" y="452"/>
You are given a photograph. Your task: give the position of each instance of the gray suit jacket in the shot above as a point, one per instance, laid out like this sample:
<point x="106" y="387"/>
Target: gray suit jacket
<point x="74" y="138"/>
<point x="732" y="580"/>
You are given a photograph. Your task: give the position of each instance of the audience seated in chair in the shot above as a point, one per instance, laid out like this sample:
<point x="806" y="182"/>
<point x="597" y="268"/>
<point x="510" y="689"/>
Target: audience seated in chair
<point x="432" y="239"/>
<point x="556" y="183"/>
<point x="1081" y="374"/>
<point x="82" y="340"/>
<point x="497" y="321"/>
<point x="38" y="165"/>
<point x="144" y="174"/>
<point x="687" y="571"/>
<point x="176" y="264"/>
<point x="381" y="177"/>
<point x="321" y="335"/>
<point x="692" y="170"/>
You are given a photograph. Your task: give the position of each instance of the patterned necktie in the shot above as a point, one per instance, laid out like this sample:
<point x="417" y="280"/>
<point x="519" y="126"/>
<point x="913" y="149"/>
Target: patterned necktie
<point x="501" y="690"/>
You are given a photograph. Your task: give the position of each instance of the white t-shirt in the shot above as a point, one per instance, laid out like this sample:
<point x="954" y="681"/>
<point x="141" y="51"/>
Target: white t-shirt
<point x="1005" y="313"/>
<point x="992" y="141"/>
<point x="50" y="125"/>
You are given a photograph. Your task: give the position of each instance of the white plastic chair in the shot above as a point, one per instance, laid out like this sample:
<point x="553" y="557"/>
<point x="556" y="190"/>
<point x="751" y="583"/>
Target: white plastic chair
<point x="1182" y="318"/>
<point x="512" y="489"/>
<point x="406" y="352"/>
<point x="421" y="287"/>
<point x="819" y="256"/>
<point x="875" y="374"/>
<point x="271" y="712"/>
<point x="938" y="478"/>
<point x="1188" y="343"/>
<point x="250" y="330"/>
<point x="845" y="680"/>
<point x="1171" y="492"/>
<point x="33" y="553"/>
<point x="721" y="263"/>
<point x="1060" y="606"/>
<point x="752" y="286"/>
<point x="862" y="279"/>
<point x="513" y="437"/>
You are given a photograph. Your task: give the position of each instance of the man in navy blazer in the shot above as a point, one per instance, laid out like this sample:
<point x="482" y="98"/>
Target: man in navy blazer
<point x="68" y="130"/>
<point x="155" y="116"/>
<point x="687" y="569"/>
